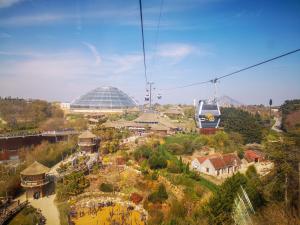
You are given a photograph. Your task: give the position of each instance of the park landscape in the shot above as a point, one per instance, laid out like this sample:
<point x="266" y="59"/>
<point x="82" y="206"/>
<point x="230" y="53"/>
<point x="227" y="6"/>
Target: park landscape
<point x="161" y="112"/>
<point x="148" y="178"/>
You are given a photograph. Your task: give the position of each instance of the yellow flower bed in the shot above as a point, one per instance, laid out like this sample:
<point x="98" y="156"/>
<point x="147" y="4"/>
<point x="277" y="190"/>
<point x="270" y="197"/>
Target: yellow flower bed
<point x="105" y="216"/>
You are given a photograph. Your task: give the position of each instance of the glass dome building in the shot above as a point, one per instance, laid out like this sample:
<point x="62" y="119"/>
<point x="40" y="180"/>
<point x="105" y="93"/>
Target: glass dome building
<point x="103" y="99"/>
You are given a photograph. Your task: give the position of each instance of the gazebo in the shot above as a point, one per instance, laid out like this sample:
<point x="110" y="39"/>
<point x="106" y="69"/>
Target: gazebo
<point x="87" y="141"/>
<point x="35" y="180"/>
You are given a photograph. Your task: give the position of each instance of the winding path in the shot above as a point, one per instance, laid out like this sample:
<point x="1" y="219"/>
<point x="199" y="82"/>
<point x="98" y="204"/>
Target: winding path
<point x="277" y="124"/>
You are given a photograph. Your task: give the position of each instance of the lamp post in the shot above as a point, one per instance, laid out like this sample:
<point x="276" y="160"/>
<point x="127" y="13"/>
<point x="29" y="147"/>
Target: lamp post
<point x="270" y="108"/>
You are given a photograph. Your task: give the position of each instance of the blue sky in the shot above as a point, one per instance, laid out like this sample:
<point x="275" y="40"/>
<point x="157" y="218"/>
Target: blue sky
<point x="58" y="50"/>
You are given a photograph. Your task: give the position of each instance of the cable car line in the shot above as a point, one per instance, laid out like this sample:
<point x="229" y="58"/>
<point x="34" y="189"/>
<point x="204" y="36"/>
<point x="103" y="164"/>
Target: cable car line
<point x="235" y="72"/>
<point x="143" y="40"/>
<point x="157" y="34"/>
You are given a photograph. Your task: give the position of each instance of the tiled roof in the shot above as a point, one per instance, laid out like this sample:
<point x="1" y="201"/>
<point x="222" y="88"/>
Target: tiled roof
<point x="35" y="169"/>
<point x="252" y="154"/>
<point x="148" y="117"/>
<point x="201" y="159"/>
<point x="221" y="161"/>
<point x="231" y="159"/>
<point x="87" y="134"/>
<point x="218" y="163"/>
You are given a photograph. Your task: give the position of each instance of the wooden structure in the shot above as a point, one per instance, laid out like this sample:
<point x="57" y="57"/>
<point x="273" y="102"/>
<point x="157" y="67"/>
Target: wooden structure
<point x="88" y="142"/>
<point x="35" y="180"/>
<point x="11" y="210"/>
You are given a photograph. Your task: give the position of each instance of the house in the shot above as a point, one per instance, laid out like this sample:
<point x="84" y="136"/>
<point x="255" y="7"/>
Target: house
<point x="147" y="122"/>
<point x="217" y="164"/>
<point x="254" y="156"/>
<point x="174" y="112"/>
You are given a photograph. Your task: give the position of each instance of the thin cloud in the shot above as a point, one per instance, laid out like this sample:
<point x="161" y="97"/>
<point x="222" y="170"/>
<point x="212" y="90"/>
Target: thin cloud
<point x="177" y="51"/>
<point x="29" y="20"/>
<point x="8" y="3"/>
<point x="94" y="51"/>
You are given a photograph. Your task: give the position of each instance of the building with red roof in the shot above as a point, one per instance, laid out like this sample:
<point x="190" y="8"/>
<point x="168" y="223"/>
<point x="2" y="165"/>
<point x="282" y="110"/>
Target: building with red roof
<point x="254" y="156"/>
<point x="217" y="164"/>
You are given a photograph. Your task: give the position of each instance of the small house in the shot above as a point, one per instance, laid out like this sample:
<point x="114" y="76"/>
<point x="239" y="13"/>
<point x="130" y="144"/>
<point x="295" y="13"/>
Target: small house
<point x="217" y="164"/>
<point x="254" y="156"/>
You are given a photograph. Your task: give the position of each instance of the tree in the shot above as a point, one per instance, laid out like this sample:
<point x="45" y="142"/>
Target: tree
<point x="240" y="121"/>
<point x="106" y="187"/>
<point x="160" y="195"/>
<point x="157" y="161"/>
<point x="220" y="205"/>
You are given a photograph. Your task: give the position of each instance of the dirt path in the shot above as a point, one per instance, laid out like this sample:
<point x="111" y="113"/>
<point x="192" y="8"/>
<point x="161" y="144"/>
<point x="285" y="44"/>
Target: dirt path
<point x="277" y="124"/>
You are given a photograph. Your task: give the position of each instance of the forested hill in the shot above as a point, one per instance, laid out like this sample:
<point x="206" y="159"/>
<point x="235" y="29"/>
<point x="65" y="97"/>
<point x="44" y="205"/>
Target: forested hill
<point x="20" y="114"/>
<point x="291" y="115"/>
<point x="248" y="125"/>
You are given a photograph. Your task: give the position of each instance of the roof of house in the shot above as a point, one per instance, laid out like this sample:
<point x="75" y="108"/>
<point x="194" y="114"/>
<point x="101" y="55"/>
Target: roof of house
<point x="174" y="110"/>
<point x="218" y="162"/>
<point x="221" y="161"/>
<point x="252" y="154"/>
<point x="35" y="168"/>
<point x="87" y="134"/>
<point x="201" y="159"/>
<point x="148" y="117"/>
<point x="158" y="127"/>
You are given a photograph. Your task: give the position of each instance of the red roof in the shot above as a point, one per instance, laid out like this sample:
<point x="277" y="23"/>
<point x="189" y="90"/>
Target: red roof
<point x="201" y="159"/>
<point x="218" y="162"/>
<point x="221" y="161"/>
<point x="251" y="155"/>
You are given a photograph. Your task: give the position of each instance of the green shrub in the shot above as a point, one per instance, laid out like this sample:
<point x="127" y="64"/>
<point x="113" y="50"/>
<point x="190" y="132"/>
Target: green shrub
<point x="143" y="151"/>
<point x="157" y="161"/>
<point x="106" y="187"/>
<point x="71" y="185"/>
<point x="160" y="195"/>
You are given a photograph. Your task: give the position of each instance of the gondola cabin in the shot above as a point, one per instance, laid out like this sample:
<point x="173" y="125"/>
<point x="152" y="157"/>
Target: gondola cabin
<point x="207" y="114"/>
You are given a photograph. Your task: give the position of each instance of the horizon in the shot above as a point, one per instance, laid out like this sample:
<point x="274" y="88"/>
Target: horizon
<point x="63" y="49"/>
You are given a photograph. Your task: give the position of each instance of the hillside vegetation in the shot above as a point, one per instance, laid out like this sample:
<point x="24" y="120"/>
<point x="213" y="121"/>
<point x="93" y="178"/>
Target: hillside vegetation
<point x="20" y="114"/>
<point x="291" y="115"/>
<point x="248" y="125"/>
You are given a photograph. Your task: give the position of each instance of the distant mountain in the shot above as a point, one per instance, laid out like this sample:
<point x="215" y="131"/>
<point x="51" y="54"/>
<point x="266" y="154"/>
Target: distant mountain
<point x="226" y="101"/>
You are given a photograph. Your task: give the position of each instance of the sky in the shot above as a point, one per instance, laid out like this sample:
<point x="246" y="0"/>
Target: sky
<point x="58" y="50"/>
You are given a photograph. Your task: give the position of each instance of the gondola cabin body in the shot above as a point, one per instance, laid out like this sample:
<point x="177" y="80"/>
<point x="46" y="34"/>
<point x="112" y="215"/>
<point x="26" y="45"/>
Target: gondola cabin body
<point x="207" y="114"/>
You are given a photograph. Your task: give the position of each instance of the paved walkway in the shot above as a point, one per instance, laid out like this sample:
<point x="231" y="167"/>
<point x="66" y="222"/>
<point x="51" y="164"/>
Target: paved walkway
<point x="47" y="206"/>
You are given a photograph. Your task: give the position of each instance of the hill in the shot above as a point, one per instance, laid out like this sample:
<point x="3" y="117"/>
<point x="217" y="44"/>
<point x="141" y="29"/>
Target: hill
<point x="291" y="115"/>
<point x="226" y="101"/>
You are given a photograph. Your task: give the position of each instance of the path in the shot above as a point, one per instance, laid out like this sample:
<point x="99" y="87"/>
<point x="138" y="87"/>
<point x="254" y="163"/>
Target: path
<point x="47" y="206"/>
<point x="277" y="125"/>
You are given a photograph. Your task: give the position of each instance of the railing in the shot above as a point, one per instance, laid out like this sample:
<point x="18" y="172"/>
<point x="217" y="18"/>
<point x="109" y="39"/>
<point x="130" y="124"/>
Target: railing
<point x="11" y="210"/>
<point x="82" y="143"/>
<point x="37" y="133"/>
<point x="29" y="183"/>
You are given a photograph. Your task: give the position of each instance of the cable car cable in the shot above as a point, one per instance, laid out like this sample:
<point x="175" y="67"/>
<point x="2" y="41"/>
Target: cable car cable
<point x="235" y="72"/>
<point x="157" y="34"/>
<point x="143" y="40"/>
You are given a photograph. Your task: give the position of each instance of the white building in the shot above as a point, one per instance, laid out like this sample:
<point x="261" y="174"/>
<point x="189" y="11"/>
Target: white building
<point x="216" y="165"/>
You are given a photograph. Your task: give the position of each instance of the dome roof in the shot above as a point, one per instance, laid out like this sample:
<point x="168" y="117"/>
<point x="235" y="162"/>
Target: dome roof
<point x="104" y="98"/>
